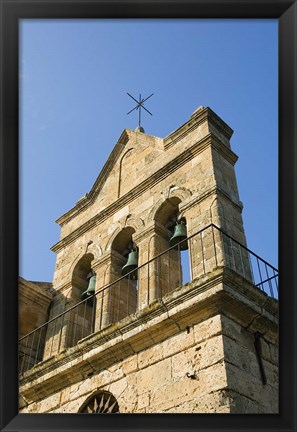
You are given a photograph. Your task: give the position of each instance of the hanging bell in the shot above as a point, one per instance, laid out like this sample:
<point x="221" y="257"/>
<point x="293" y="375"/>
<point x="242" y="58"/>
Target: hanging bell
<point x="180" y="234"/>
<point x="90" y="291"/>
<point x="131" y="264"/>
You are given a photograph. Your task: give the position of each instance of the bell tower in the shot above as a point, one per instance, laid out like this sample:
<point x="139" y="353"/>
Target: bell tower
<point x="159" y="306"/>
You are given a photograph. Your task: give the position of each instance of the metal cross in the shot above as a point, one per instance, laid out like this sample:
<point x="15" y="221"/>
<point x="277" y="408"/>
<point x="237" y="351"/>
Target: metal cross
<point x="139" y="106"/>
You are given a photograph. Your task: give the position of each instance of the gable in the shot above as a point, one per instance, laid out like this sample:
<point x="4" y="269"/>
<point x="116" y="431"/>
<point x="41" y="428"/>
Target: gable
<point x="129" y="163"/>
<point x="138" y="156"/>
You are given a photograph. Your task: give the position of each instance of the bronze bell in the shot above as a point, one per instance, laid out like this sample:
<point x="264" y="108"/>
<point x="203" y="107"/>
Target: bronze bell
<point x="180" y="234"/>
<point x="131" y="264"/>
<point x="90" y="290"/>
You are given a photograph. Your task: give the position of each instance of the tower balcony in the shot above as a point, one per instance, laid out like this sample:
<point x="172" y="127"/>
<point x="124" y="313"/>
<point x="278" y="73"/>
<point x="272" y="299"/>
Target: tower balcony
<point x="174" y="280"/>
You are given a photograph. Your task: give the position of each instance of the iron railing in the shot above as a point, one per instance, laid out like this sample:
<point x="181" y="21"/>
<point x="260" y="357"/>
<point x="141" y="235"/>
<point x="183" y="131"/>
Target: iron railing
<point x="209" y="248"/>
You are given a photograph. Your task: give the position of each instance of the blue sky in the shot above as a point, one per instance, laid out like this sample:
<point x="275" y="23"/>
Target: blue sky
<point x="74" y="76"/>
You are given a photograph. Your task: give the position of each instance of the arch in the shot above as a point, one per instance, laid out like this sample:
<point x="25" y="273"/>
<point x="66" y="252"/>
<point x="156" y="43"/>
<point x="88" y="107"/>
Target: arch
<point x="167" y="212"/>
<point x="94" y="249"/>
<point x="81" y="270"/>
<point x="122" y="296"/>
<point x="169" y="241"/>
<point x="100" y="402"/>
<point x="120" y="169"/>
<point x="174" y="195"/>
<point x="79" y="321"/>
<point x="135" y="222"/>
<point x="120" y="237"/>
<point x="180" y="192"/>
<point x="122" y="240"/>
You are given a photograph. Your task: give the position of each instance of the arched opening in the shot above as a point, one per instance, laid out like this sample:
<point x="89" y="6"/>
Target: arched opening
<point x="174" y="265"/>
<point x="124" y="260"/>
<point x="102" y="402"/>
<point x="80" y="320"/>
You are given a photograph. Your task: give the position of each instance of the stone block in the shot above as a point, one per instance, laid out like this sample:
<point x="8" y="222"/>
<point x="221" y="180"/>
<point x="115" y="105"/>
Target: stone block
<point x="154" y="376"/>
<point x="49" y="403"/>
<point x="70" y="407"/>
<point x="150" y="356"/>
<point x="118" y="387"/>
<point x="206" y="329"/>
<point x="143" y="401"/>
<point x="274" y="353"/>
<point x="130" y="365"/>
<point x="179" y="342"/>
<point x="236" y="332"/>
<point x="238" y="354"/>
<point x="208" y="352"/>
<point x="251" y="388"/>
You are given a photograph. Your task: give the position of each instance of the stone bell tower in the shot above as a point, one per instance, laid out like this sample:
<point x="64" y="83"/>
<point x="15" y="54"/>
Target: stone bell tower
<point x="159" y="305"/>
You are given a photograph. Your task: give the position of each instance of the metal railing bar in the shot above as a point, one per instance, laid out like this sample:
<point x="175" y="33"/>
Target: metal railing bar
<point x="267" y="280"/>
<point x="147" y="263"/>
<point x="240" y="244"/>
<point x="276" y="284"/>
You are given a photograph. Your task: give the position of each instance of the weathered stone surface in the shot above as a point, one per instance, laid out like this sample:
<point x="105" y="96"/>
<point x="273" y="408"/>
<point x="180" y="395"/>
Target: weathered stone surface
<point x="157" y="344"/>
<point x="154" y="376"/>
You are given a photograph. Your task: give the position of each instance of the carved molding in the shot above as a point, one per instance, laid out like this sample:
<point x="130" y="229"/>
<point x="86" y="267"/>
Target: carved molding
<point x="173" y="191"/>
<point x="95" y="250"/>
<point x="135" y="222"/>
<point x="79" y="257"/>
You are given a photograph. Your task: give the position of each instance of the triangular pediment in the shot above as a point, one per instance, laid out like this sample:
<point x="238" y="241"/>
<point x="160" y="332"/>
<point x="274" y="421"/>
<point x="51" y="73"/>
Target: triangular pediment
<point x="137" y="157"/>
<point x="128" y="163"/>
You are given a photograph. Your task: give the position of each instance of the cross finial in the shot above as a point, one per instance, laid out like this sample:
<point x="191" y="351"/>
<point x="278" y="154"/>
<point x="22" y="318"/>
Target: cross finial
<point x="139" y="106"/>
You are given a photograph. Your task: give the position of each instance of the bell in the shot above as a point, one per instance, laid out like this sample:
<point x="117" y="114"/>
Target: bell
<point x="90" y="291"/>
<point x="180" y="234"/>
<point x="131" y="264"/>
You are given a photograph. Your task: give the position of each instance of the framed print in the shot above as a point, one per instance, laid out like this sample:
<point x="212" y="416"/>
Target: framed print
<point x="162" y="303"/>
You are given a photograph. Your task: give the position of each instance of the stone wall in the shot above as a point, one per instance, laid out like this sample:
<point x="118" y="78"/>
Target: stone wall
<point x="156" y="380"/>
<point x="201" y="370"/>
<point x="192" y="352"/>
<point x="245" y="386"/>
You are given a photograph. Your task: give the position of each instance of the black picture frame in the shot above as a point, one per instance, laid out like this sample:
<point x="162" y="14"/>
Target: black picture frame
<point x="11" y="12"/>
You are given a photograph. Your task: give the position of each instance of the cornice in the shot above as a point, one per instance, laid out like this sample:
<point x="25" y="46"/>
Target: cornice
<point x="225" y="151"/>
<point x="215" y="190"/>
<point x="219" y="124"/>
<point x="188" y="127"/>
<point x="197" y="118"/>
<point x="237" y="204"/>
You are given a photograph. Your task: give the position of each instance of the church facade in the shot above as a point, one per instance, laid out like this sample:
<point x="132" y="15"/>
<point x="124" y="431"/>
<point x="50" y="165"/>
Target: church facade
<point x="155" y="304"/>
